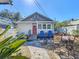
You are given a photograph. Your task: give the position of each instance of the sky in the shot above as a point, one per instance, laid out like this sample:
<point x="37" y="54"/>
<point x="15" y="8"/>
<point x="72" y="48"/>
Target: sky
<point x="59" y="10"/>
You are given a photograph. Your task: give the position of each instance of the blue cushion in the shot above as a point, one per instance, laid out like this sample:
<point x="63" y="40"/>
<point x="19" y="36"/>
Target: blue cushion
<point x="50" y="34"/>
<point x="41" y="34"/>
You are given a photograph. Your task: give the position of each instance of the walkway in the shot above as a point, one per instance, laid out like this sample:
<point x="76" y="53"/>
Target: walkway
<point x="38" y="53"/>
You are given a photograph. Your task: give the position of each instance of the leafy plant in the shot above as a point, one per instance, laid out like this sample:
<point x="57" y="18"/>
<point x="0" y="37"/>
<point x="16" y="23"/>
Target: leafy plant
<point x="10" y="44"/>
<point x="75" y="32"/>
<point x="14" y="16"/>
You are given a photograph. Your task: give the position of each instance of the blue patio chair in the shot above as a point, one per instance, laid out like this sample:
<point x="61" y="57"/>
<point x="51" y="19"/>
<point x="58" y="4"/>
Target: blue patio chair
<point x="41" y="35"/>
<point x="50" y="34"/>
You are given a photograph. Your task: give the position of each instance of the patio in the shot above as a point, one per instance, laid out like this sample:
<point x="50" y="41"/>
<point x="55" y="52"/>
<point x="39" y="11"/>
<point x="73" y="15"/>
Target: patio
<point x="55" y="45"/>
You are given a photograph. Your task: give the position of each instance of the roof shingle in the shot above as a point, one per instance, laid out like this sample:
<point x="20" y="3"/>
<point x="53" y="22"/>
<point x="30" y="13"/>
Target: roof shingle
<point x="37" y="17"/>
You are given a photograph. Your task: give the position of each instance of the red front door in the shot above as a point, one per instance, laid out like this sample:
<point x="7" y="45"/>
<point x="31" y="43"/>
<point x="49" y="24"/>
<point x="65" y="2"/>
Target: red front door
<point x="34" y="29"/>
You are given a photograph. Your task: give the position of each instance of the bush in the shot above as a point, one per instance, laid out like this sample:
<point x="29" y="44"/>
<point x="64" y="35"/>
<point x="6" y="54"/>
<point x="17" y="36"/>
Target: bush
<point x="10" y="44"/>
<point x="75" y="32"/>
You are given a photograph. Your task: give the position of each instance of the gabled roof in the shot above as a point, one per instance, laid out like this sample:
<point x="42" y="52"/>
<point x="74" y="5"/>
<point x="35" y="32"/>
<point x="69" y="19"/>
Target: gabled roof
<point x="37" y="17"/>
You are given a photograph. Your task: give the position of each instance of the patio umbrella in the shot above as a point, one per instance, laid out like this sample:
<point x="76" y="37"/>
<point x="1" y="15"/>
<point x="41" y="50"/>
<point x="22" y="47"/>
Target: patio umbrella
<point x="6" y="2"/>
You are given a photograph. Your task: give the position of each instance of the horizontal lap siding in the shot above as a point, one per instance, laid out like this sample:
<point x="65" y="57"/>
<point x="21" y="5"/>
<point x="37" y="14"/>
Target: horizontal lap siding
<point x="24" y="28"/>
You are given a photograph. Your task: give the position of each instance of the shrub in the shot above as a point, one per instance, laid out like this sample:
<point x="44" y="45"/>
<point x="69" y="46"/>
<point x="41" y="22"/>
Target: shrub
<point x="10" y="44"/>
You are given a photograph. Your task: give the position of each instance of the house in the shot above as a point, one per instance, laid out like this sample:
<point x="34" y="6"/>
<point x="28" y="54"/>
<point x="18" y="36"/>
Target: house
<point x="72" y="25"/>
<point x="35" y="23"/>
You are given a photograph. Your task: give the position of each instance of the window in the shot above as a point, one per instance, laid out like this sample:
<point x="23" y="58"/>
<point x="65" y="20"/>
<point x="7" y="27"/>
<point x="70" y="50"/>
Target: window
<point x="44" y="26"/>
<point x="39" y="26"/>
<point x="34" y="16"/>
<point x="48" y="26"/>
